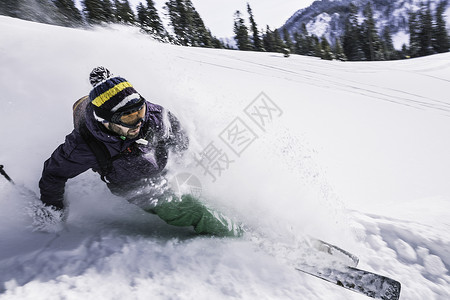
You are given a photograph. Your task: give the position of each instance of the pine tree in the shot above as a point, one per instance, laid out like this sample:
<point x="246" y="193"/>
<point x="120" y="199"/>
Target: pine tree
<point x="326" y="52"/>
<point x="279" y="43"/>
<point x="142" y="17"/>
<point x="256" y="40"/>
<point x="200" y="35"/>
<point x="305" y="42"/>
<point x="98" y="11"/>
<point x="93" y="10"/>
<point x="187" y="24"/>
<point x="338" y="51"/>
<point x="178" y="20"/>
<point x="154" y="19"/>
<point x="287" y="40"/>
<point x="297" y="42"/>
<point x="311" y="46"/>
<point x="149" y="19"/>
<point x="269" y="40"/>
<point x="70" y="12"/>
<point x="317" y="46"/>
<point x="241" y="33"/>
<point x="352" y="36"/>
<point x="348" y="42"/>
<point x="123" y="12"/>
<point x="414" y="35"/>
<point x="371" y="41"/>
<point x="426" y="31"/>
<point x="388" y="45"/>
<point x="217" y="43"/>
<point x="108" y="11"/>
<point x="441" y="39"/>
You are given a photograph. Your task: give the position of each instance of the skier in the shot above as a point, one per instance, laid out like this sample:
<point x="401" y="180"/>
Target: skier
<point x="127" y="140"/>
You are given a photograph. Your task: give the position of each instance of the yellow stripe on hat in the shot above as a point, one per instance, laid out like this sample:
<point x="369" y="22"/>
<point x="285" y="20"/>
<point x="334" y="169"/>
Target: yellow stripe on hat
<point x="99" y="100"/>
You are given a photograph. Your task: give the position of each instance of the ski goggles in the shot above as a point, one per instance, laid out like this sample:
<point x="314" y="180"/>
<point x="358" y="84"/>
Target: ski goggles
<point x="130" y="116"/>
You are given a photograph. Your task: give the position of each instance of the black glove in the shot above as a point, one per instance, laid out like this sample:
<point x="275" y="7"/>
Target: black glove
<point x="57" y="204"/>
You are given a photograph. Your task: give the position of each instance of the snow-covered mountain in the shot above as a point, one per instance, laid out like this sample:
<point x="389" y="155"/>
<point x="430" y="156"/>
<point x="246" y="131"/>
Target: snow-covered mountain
<point x="327" y="17"/>
<point x="357" y="154"/>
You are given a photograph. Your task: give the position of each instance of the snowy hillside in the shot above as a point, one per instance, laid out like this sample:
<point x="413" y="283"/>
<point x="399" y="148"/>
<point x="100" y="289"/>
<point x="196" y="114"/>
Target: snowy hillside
<point x="356" y="154"/>
<point x="327" y="18"/>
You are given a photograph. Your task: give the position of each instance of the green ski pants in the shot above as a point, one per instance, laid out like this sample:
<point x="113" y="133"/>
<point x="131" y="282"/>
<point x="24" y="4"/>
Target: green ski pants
<point x="189" y="211"/>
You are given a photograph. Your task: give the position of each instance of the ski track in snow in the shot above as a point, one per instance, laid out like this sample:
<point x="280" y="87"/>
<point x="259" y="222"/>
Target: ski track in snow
<point x="110" y="249"/>
<point x="389" y="94"/>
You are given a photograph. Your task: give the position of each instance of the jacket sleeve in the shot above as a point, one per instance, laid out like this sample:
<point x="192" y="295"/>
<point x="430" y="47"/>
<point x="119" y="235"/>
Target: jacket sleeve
<point x="67" y="161"/>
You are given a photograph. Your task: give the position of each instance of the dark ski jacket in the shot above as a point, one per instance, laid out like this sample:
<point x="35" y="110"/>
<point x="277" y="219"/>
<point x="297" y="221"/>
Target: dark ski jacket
<point x="131" y="160"/>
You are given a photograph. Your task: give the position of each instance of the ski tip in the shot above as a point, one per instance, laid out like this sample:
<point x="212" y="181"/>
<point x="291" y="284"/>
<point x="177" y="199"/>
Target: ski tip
<point x="392" y="292"/>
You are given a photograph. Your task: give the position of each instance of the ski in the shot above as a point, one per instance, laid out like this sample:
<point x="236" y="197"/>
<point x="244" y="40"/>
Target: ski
<point x="357" y="280"/>
<point x="338" y="254"/>
<point x="333" y="264"/>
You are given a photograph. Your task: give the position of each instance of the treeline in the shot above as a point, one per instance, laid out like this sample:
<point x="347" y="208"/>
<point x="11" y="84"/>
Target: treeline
<point x="249" y="38"/>
<point x="361" y="41"/>
<point x="186" y="26"/>
<point x="427" y="29"/>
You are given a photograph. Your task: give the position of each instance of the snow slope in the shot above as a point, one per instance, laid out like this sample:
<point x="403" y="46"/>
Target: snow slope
<point x="356" y="154"/>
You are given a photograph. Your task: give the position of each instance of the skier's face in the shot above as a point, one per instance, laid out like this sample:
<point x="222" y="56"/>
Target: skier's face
<point x="129" y="133"/>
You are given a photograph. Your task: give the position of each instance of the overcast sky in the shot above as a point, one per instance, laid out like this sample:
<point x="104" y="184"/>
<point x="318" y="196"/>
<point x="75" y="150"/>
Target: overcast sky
<point x="218" y="14"/>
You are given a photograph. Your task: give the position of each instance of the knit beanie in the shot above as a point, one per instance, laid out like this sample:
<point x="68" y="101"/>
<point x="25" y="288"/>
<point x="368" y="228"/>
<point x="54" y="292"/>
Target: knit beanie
<point x="110" y="93"/>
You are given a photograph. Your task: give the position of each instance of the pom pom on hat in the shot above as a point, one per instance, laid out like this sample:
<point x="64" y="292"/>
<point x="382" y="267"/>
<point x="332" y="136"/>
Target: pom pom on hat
<point x="110" y="93"/>
<point x="98" y="75"/>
